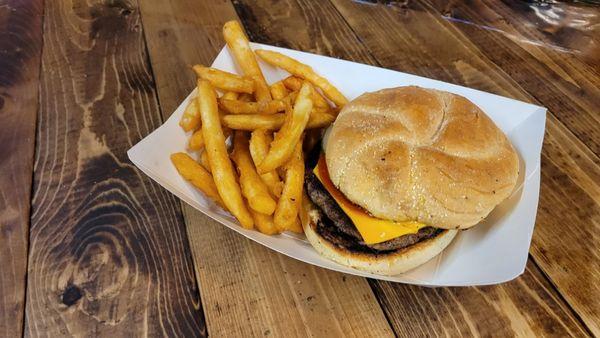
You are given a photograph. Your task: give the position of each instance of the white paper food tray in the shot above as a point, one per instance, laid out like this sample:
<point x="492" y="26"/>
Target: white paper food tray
<point x="492" y="252"/>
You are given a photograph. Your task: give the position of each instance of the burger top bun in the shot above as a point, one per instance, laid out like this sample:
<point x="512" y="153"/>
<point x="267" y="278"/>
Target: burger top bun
<point x="411" y="153"/>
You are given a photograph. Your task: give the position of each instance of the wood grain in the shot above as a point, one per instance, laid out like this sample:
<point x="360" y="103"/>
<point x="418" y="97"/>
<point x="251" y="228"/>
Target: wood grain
<point x="249" y="290"/>
<point x="246" y="289"/>
<point x="417" y="40"/>
<point x="529" y="47"/>
<point x="413" y="41"/>
<point x="108" y="251"/>
<point x="20" y="55"/>
<point x="525" y="307"/>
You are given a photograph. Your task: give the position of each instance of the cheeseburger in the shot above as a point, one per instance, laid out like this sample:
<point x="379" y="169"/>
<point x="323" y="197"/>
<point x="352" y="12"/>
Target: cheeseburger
<point x="400" y="172"/>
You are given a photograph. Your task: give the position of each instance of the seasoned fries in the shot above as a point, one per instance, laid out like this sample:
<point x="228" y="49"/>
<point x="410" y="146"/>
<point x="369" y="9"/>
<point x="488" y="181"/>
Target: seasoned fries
<point x="253" y="122"/>
<point x="240" y="48"/>
<point x="259" y="147"/>
<point x="191" y="116"/>
<point x="231" y="96"/>
<point x="279" y="91"/>
<point x="286" y="214"/>
<point x="268" y="124"/>
<point x="272" y="122"/>
<point x="296" y="226"/>
<point x="220" y="165"/>
<point x="294" y="83"/>
<point x="319" y="120"/>
<point x="196" y="142"/>
<point x="288" y="136"/>
<point x="198" y="176"/>
<point x="253" y="187"/>
<point x="238" y="107"/>
<point x="241" y="107"/>
<point x="204" y="160"/>
<point x="319" y="101"/>
<point x="303" y="71"/>
<point x="264" y="223"/>
<point x="224" y="80"/>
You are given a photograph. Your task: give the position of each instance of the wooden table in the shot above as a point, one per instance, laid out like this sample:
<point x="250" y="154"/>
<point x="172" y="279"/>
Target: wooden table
<point x="91" y="246"/>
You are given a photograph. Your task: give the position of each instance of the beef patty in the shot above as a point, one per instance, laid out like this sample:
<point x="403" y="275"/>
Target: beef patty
<point x="335" y="226"/>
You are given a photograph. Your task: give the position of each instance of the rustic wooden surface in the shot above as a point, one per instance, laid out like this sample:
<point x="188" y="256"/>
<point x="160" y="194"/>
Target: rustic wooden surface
<point x="20" y="54"/>
<point x="108" y="252"/>
<point x="108" y="248"/>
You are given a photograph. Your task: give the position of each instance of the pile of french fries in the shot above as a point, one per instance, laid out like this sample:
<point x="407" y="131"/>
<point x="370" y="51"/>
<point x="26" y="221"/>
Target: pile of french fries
<point x="259" y="180"/>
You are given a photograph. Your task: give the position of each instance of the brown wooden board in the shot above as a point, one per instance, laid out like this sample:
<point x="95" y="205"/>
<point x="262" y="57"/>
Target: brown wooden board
<point x="557" y="64"/>
<point x="246" y="289"/>
<point x="108" y="250"/>
<point x="20" y="54"/>
<point x="418" y="40"/>
<point x="527" y="307"/>
<point x="407" y="41"/>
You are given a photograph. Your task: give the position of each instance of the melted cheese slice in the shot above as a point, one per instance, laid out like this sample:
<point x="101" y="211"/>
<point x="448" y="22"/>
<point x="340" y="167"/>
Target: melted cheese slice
<point x="373" y="230"/>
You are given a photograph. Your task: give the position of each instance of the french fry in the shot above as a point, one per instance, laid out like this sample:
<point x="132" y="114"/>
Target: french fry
<point x="253" y="188"/>
<point x="278" y="90"/>
<point x="204" y="160"/>
<point x="290" y="98"/>
<point x="294" y="83"/>
<point x="198" y="176"/>
<point x="230" y="96"/>
<point x="271" y="107"/>
<point x="272" y="122"/>
<point x="259" y="147"/>
<point x="301" y="70"/>
<point x="225" y="80"/>
<point x="290" y="133"/>
<point x="253" y="121"/>
<point x="321" y="110"/>
<point x="319" y="100"/>
<point x="244" y="97"/>
<point x="286" y="213"/>
<point x="240" y="48"/>
<point x="196" y="141"/>
<point x="190" y="120"/>
<point x="223" y="173"/>
<point x="296" y="226"/>
<point x="241" y="107"/>
<point x="319" y="120"/>
<point x="264" y="223"/>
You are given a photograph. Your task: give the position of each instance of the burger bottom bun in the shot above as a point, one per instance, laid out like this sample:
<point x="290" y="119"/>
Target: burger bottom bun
<point x="387" y="264"/>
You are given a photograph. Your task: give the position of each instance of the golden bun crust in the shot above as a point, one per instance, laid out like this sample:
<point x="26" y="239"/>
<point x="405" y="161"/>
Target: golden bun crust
<point x="411" y="153"/>
<point x="388" y="264"/>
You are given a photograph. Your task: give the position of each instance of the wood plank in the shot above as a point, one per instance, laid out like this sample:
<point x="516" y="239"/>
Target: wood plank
<point x="20" y="55"/>
<point x="246" y="289"/>
<point x="420" y="42"/>
<point x="526" y="307"/>
<point x="108" y="251"/>
<point x="249" y="290"/>
<point x="411" y="50"/>
<point x="565" y="52"/>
